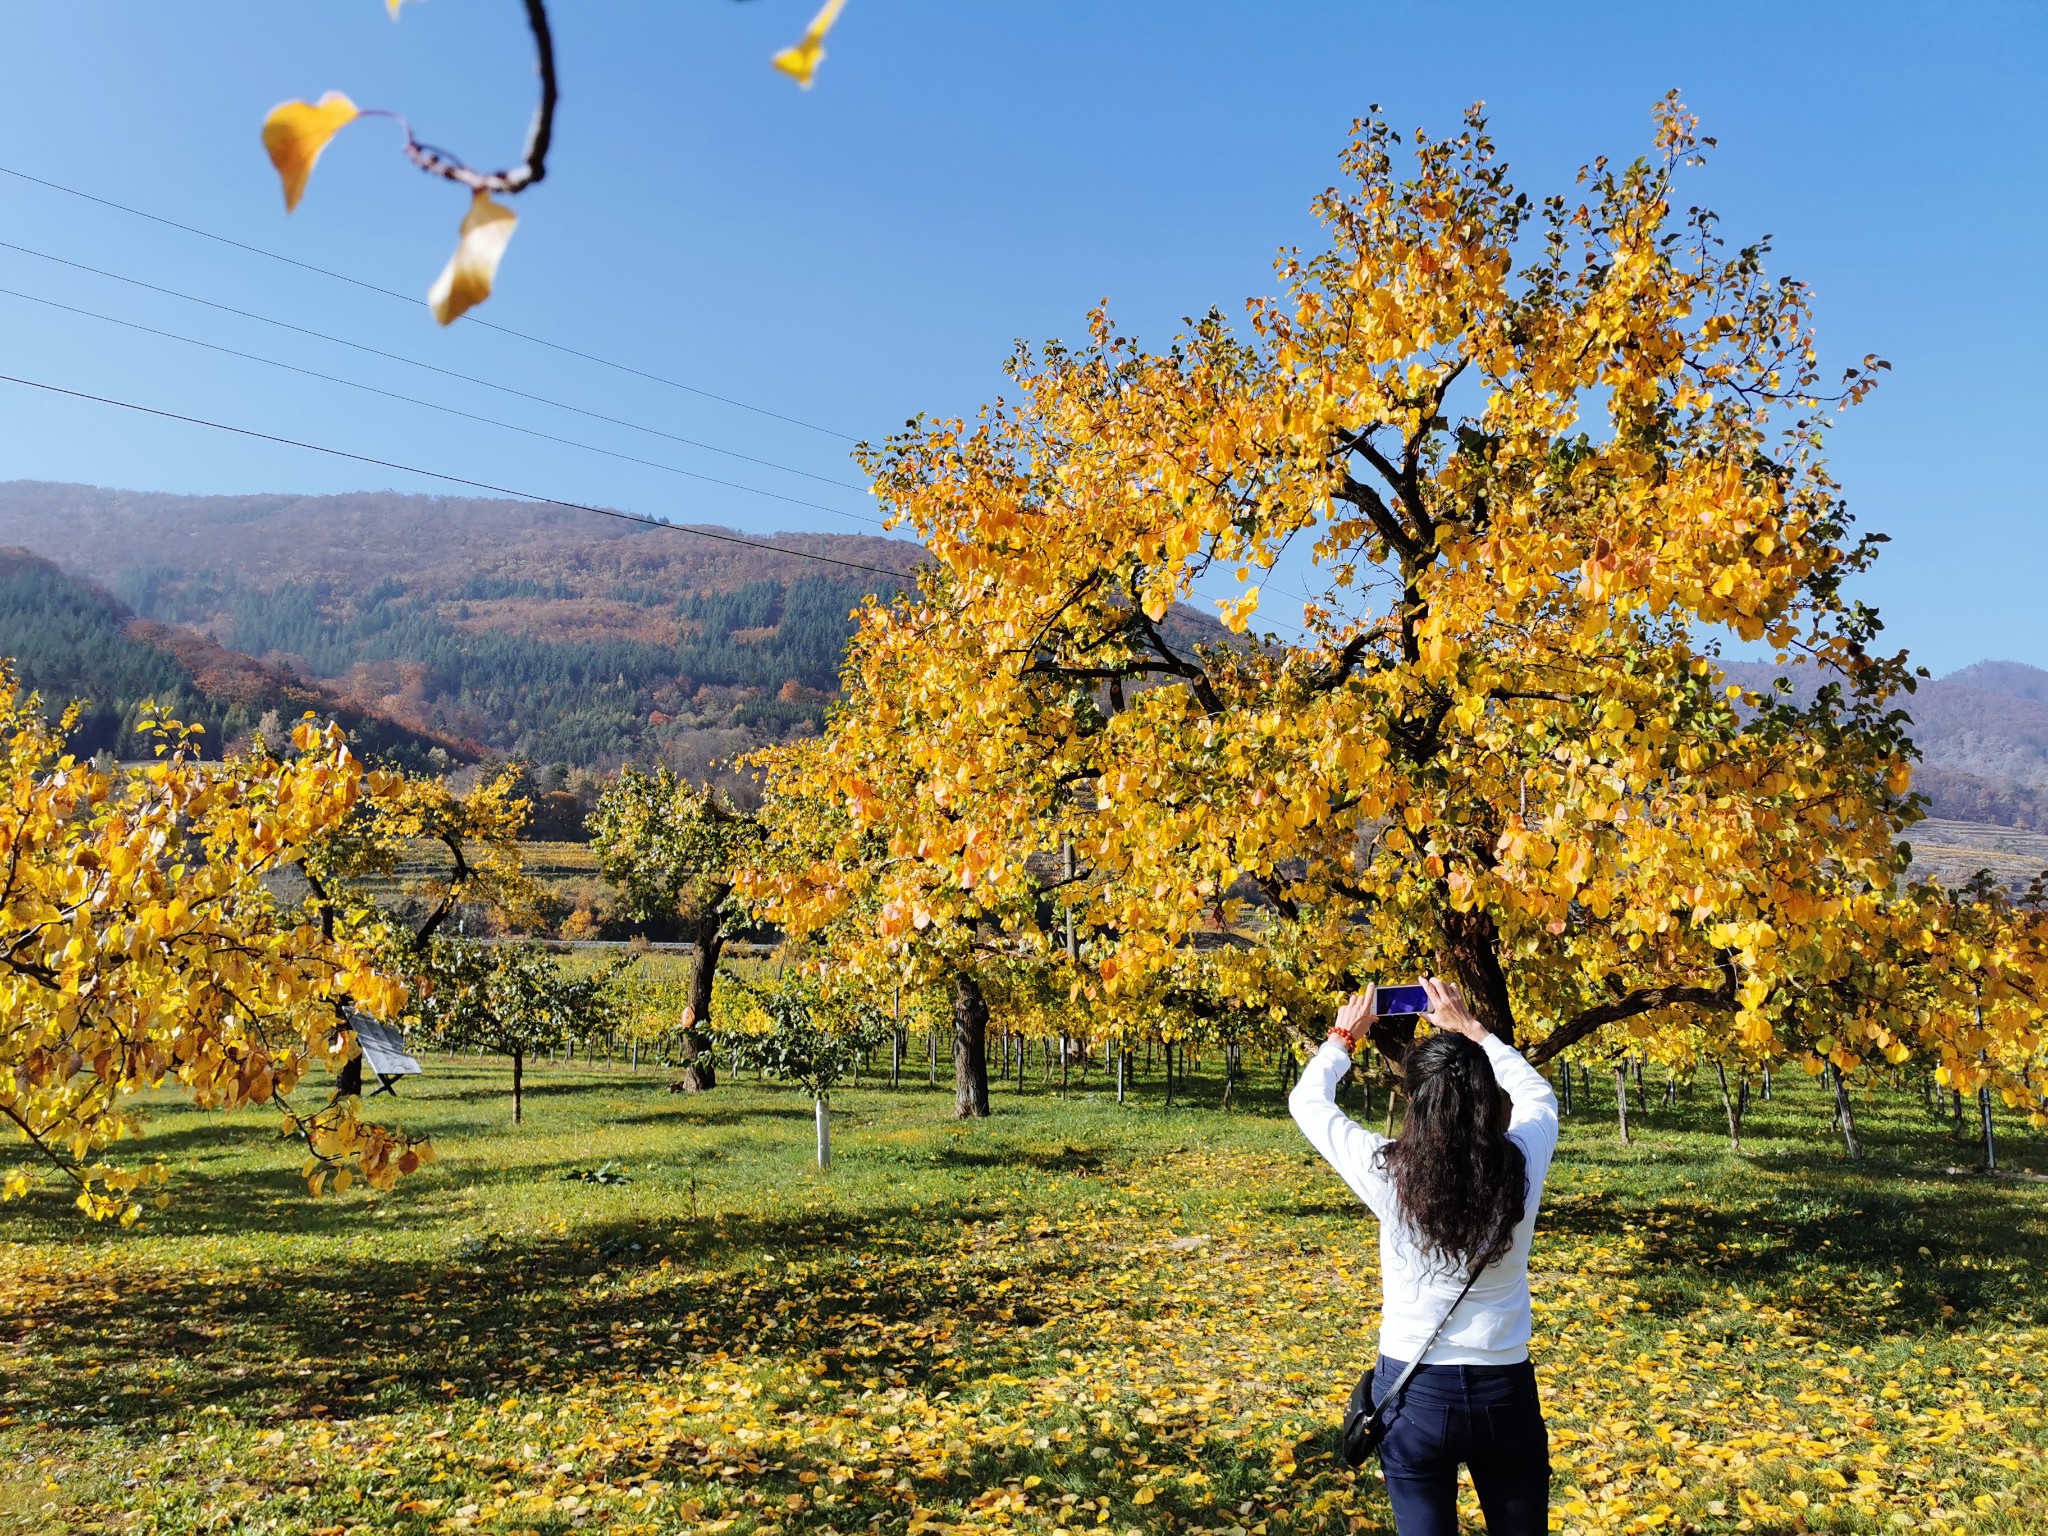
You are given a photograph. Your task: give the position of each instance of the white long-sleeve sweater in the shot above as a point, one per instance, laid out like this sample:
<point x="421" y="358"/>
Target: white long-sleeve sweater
<point x="1492" y="1323"/>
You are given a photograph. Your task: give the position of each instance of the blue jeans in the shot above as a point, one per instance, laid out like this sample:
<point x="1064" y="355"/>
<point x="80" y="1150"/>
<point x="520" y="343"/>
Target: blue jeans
<point x="1486" y="1416"/>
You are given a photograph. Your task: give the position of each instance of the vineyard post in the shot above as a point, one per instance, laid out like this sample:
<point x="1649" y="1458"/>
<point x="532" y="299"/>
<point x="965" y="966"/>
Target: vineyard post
<point x="1845" y="1116"/>
<point x="1984" y="1110"/>
<point x="1621" y="1098"/>
<point x="896" y="1036"/>
<point x="1728" y="1104"/>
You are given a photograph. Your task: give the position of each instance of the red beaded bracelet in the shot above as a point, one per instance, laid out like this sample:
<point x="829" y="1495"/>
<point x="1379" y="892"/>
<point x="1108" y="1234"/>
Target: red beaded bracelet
<point x="1350" y="1041"/>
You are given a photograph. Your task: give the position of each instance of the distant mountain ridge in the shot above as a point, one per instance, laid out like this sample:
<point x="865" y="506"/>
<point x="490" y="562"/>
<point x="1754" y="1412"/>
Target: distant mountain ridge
<point x="530" y="630"/>
<point x="562" y="637"/>
<point x="1983" y="737"/>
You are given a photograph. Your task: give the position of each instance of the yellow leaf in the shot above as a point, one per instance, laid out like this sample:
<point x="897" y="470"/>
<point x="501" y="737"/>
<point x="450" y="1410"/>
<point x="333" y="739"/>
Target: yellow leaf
<point x="296" y="132"/>
<point x="466" y="281"/>
<point x="802" y="61"/>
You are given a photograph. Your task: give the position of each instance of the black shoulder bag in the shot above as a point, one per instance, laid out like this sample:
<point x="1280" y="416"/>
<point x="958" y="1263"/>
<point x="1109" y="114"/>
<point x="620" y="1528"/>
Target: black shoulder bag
<point x="1366" y="1426"/>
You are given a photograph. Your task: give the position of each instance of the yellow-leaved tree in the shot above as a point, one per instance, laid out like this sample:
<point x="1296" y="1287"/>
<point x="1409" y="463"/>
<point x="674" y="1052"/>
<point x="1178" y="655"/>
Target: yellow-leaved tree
<point x="141" y="947"/>
<point x="1540" y="460"/>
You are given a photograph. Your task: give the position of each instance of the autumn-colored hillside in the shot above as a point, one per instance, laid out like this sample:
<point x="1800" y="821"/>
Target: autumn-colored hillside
<point x="520" y="565"/>
<point x="75" y="643"/>
<point x="535" y="631"/>
<point x="542" y="632"/>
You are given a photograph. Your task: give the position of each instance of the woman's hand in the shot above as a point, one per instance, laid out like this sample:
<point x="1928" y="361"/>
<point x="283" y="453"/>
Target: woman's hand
<point x="1356" y="1018"/>
<point x="1447" y="1010"/>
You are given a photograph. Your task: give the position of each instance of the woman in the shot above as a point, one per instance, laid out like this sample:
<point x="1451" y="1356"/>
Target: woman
<point x="1455" y="1191"/>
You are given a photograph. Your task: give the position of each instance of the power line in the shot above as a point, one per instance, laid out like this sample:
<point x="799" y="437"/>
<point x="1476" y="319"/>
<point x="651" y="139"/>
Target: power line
<point x="431" y="405"/>
<point x="413" y="362"/>
<point x="393" y="293"/>
<point x="435" y="474"/>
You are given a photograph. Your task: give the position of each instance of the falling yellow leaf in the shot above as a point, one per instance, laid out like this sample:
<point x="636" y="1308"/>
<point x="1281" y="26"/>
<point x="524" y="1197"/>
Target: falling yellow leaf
<point x="296" y="132"/>
<point x="801" y="62"/>
<point x="392" y="6"/>
<point x="466" y="281"/>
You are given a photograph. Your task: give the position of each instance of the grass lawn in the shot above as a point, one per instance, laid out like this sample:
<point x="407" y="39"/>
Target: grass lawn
<point x="1075" y="1316"/>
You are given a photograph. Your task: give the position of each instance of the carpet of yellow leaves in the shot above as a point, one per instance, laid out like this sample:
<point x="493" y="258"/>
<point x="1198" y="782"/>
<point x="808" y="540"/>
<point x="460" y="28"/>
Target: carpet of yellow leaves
<point x="1092" y="1362"/>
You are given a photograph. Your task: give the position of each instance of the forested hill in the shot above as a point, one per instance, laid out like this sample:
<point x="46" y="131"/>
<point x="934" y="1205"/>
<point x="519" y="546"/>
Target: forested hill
<point x="73" y="642"/>
<point x="1983" y="737"/>
<point x="535" y="631"/>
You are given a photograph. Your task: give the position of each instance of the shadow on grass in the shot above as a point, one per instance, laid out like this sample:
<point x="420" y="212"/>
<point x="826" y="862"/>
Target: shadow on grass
<point x="521" y="1313"/>
<point x="1868" y="1254"/>
<point x="687" y="1113"/>
<point x="1060" y="1159"/>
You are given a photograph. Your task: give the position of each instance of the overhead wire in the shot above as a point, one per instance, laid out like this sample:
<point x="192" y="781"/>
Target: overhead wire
<point x="435" y="474"/>
<point x="356" y="282"/>
<point x="393" y="293"/>
<point x="432" y="405"/>
<point x="413" y="362"/>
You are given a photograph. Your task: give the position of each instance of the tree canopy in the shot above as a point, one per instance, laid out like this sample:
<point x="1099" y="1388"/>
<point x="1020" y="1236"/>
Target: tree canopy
<point x="1542" y="459"/>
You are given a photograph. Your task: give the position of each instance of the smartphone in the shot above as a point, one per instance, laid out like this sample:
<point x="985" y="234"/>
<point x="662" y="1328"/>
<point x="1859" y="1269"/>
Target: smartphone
<point x="1392" y="1001"/>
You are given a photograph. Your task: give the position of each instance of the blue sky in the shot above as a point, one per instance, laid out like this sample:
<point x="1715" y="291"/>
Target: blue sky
<point x="964" y="175"/>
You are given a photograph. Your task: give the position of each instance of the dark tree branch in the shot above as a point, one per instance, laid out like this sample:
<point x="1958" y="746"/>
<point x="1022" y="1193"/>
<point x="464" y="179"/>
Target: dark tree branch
<point x="1720" y="998"/>
<point x="1384" y="518"/>
<point x="533" y="168"/>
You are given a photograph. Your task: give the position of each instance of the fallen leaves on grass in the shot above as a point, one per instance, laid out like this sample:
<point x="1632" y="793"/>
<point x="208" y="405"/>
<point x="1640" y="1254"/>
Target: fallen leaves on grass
<point x="994" y="1370"/>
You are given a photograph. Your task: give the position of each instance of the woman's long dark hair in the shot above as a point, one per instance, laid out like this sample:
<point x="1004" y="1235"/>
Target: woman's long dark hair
<point x="1462" y="1184"/>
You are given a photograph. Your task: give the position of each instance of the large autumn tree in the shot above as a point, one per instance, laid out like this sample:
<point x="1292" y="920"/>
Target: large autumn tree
<point x="1536" y="461"/>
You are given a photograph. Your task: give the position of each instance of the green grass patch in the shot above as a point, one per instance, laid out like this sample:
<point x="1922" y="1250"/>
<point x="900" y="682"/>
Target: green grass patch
<point x="1074" y="1316"/>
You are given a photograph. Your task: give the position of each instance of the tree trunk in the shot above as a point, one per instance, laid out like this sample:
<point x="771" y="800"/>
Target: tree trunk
<point x="1990" y="1141"/>
<point x="824" y="1115"/>
<point x="1166" y="1061"/>
<point x="1845" y="1112"/>
<point x="1470" y="956"/>
<point x="699" y="1066"/>
<point x="518" y="1082"/>
<point x="970" y="1049"/>
<point x="931" y="1051"/>
<point x="1621" y="1099"/>
<point x="1564" y="1098"/>
<point x="1123" y="1067"/>
<point x="1734" y="1114"/>
<point x="349" y="1084"/>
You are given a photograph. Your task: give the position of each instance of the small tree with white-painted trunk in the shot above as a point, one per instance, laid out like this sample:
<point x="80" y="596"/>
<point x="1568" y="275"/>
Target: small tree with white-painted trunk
<point x="797" y="1030"/>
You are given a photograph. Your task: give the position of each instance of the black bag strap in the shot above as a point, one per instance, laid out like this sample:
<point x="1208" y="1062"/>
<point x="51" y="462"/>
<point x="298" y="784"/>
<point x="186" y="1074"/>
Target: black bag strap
<point x="1427" y="1344"/>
